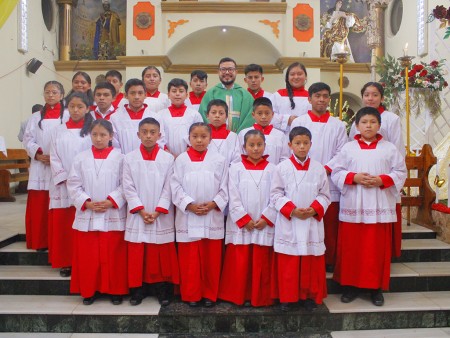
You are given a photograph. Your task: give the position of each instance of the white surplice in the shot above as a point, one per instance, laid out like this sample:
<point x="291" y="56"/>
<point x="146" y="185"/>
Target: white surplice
<point x="157" y="103"/>
<point x="228" y="148"/>
<point x="282" y="109"/>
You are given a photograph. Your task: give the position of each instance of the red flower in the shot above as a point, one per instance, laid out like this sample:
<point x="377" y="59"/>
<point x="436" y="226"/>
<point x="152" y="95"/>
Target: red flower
<point x="445" y="84"/>
<point x="447" y="17"/>
<point x="418" y="68"/>
<point x="440" y="12"/>
<point x="423" y="73"/>
<point x="434" y="63"/>
<point x="402" y="73"/>
<point x="412" y="73"/>
<point x="431" y="78"/>
<point x="412" y="79"/>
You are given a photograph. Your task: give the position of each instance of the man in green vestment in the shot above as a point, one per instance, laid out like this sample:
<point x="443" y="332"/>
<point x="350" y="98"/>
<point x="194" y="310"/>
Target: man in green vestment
<point x="238" y="99"/>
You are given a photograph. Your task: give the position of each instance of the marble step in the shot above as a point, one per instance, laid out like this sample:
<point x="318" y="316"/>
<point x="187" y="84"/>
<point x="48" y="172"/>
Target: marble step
<point x="398" y="333"/>
<point x="68" y="314"/>
<point x="415" y="231"/>
<point x="75" y="335"/>
<point x="424" y="250"/>
<point x="43" y="280"/>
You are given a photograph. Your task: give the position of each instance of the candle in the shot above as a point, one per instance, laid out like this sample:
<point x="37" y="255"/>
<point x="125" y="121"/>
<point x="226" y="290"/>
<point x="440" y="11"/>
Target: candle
<point x="437" y="181"/>
<point x="405" y="50"/>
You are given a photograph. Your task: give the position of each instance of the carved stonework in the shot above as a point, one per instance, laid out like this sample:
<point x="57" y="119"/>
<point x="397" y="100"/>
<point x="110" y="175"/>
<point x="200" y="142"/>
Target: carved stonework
<point x="173" y="25"/>
<point x="273" y="25"/>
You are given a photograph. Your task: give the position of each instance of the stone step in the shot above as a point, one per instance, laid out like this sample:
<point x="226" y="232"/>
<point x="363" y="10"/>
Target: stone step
<point x="43" y="280"/>
<point x="424" y="250"/>
<point x="75" y="335"/>
<point x="399" y="333"/>
<point x="415" y="231"/>
<point x="68" y="314"/>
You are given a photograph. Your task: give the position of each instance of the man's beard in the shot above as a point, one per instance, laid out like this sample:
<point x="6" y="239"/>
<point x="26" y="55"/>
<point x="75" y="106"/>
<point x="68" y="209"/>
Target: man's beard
<point x="227" y="83"/>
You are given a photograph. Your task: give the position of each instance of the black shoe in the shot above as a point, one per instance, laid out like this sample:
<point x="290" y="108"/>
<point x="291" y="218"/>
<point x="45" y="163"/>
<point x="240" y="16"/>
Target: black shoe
<point x="329" y="268"/>
<point x="42" y="250"/>
<point x="88" y="300"/>
<point x="349" y="295"/>
<point x="163" y="293"/>
<point x="310" y="305"/>
<point x="208" y="302"/>
<point x="116" y="300"/>
<point x="247" y="304"/>
<point x="65" y="272"/>
<point x="285" y="307"/>
<point x="377" y="297"/>
<point x="193" y="304"/>
<point x="137" y="295"/>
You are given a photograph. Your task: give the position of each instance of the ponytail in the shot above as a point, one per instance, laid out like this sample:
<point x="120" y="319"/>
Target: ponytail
<point x="88" y="119"/>
<point x="288" y="85"/>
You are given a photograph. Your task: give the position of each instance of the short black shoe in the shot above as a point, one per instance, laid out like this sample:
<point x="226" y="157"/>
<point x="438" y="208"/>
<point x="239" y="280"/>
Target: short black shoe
<point x="116" y="300"/>
<point x="285" y="307"/>
<point x="349" y="295"/>
<point x="163" y="293"/>
<point x="65" y="272"/>
<point x="310" y="305"/>
<point x="193" y="304"/>
<point x="329" y="268"/>
<point x="42" y="250"/>
<point x="137" y="295"/>
<point x="377" y="297"/>
<point x="208" y="302"/>
<point x="88" y="300"/>
<point x="247" y="303"/>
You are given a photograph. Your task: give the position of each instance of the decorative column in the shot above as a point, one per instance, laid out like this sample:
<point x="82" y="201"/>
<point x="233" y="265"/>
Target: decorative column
<point x="65" y="11"/>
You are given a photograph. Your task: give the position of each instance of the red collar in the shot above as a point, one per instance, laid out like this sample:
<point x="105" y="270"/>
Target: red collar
<point x="322" y="118"/>
<point x="149" y="156"/>
<point x="301" y="92"/>
<point x="298" y="165"/>
<point x="364" y="145"/>
<point x="381" y="109"/>
<point x="53" y="113"/>
<point x="258" y="94"/>
<point x="136" y="115"/>
<point x="249" y="165"/>
<point x="71" y="124"/>
<point x="101" y="154"/>
<point x="177" y="111"/>
<point x="196" y="156"/>
<point x="196" y="99"/>
<point x="119" y="98"/>
<point x="154" y="95"/>
<point x="265" y="130"/>
<point x="219" y="133"/>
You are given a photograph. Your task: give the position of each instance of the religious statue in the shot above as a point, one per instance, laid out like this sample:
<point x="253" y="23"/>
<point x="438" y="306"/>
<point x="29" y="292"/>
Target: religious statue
<point x="107" y="34"/>
<point x="337" y="27"/>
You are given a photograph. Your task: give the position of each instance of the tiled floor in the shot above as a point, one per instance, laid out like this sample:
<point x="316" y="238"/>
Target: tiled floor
<point x="75" y="335"/>
<point x="12" y="217"/>
<point x="406" y="333"/>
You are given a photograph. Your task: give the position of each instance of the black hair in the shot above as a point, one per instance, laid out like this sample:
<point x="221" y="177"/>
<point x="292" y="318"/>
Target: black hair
<point x="367" y="111"/>
<point x="149" y="68"/>
<point x="44" y="109"/>
<point x="253" y="132"/>
<point x="262" y="101"/>
<point x="36" y="108"/>
<point x="200" y="124"/>
<point x="176" y="82"/>
<point x="89" y="93"/>
<point x="253" y="67"/>
<point x="149" y="120"/>
<point x="200" y="74"/>
<point x="106" y="85"/>
<point x="298" y="131"/>
<point x="332" y="9"/>
<point x="217" y="102"/>
<point x="114" y="73"/>
<point x="226" y="59"/>
<point x="105" y="124"/>
<point x="317" y="87"/>
<point x="288" y="85"/>
<point x="377" y="85"/>
<point x="87" y="117"/>
<point x="134" y="82"/>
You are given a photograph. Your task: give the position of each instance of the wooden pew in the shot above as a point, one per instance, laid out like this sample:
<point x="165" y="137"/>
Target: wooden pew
<point x="427" y="195"/>
<point x="17" y="159"/>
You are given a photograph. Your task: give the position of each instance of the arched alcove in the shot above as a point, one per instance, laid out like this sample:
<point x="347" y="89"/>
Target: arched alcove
<point x="209" y="45"/>
<point x="354" y="101"/>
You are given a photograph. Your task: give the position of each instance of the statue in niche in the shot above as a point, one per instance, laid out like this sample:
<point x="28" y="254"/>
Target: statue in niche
<point x="107" y="34"/>
<point x="336" y="29"/>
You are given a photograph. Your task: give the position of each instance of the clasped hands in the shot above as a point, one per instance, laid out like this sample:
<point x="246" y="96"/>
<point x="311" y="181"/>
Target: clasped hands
<point x="201" y="209"/>
<point x="367" y="180"/>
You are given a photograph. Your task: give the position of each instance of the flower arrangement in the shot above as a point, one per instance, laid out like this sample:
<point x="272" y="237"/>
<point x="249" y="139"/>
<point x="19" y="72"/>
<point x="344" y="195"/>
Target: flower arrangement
<point x="421" y="75"/>
<point x="348" y="115"/>
<point x="443" y="15"/>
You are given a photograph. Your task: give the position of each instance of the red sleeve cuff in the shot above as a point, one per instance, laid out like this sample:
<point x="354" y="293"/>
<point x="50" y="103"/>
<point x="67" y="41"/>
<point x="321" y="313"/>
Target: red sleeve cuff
<point x="269" y="223"/>
<point x="387" y="181"/>
<point x="137" y="209"/>
<point x="287" y="209"/>
<point x="318" y="208"/>
<point x="39" y="151"/>
<point x="115" y="206"/>
<point x="328" y="169"/>
<point x="162" y="210"/>
<point x="243" y="221"/>
<point x="165" y="148"/>
<point x="349" y="178"/>
<point x="83" y="207"/>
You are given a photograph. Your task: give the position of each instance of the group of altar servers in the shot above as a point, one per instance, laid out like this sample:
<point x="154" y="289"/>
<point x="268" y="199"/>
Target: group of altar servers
<point x="138" y="192"/>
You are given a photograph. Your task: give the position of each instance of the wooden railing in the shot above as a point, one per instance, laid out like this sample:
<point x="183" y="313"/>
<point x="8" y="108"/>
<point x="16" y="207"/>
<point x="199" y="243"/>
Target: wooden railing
<point x="426" y="196"/>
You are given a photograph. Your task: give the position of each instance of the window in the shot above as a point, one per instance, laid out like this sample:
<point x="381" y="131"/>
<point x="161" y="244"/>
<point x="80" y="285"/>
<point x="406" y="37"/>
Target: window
<point x="396" y="16"/>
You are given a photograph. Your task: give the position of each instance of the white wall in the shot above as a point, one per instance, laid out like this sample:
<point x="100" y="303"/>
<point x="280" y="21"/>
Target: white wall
<point x="19" y="90"/>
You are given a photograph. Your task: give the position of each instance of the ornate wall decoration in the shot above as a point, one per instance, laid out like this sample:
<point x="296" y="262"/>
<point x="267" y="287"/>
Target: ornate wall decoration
<point x="273" y="25"/>
<point x="143" y="21"/>
<point x="303" y="22"/>
<point x="173" y="25"/>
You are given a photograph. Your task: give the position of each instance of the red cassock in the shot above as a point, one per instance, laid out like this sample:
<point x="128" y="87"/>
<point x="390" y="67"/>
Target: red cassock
<point x="331" y="226"/>
<point x="60" y="231"/>
<point x="36" y="219"/>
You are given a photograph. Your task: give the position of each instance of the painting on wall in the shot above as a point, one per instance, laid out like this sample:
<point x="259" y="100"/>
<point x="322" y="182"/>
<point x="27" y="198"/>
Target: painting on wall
<point x="343" y="29"/>
<point x="98" y="29"/>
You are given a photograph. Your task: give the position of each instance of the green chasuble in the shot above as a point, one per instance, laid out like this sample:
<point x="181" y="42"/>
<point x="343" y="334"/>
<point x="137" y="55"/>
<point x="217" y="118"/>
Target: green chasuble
<point x="240" y="105"/>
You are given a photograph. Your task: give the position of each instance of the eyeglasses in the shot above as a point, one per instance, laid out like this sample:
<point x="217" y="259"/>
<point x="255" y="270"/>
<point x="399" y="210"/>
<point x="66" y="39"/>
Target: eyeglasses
<point x="227" y="70"/>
